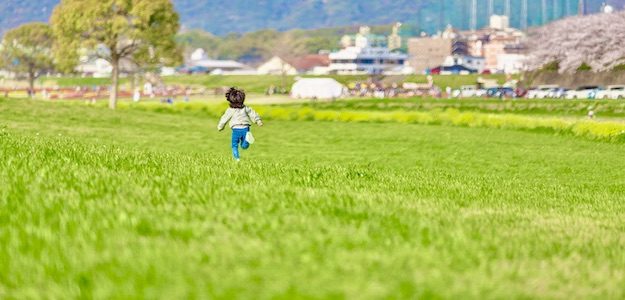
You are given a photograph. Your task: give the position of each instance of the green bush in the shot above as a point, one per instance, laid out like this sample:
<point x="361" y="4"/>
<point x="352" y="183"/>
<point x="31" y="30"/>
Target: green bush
<point x="553" y="66"/>
<point x="584" y="67"/>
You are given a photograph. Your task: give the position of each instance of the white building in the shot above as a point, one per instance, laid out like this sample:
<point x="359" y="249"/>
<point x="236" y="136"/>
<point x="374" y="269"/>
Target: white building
<point x="472" y="62"/>
<point x="101" y="68"/>
<point x="5" y="74"/>
<point x="276" y="66"/>
<point x="499" y="22"/>
<point x="98" y="68"/>
<point x="511" y="63"/>
<point x="199" y="62"/>
<point x="362" y="58"/>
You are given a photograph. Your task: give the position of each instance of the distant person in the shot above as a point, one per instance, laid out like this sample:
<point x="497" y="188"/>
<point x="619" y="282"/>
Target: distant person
<point x="136" y="97"/>
<point x="187" y="94"/>
<point x="270" y="90"/>
<point x="591" y="114"/>
<point x="241" y="118"/>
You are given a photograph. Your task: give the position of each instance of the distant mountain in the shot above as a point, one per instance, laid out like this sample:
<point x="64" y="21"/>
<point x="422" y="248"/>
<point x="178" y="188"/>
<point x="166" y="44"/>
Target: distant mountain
<point x="222" y="17"/>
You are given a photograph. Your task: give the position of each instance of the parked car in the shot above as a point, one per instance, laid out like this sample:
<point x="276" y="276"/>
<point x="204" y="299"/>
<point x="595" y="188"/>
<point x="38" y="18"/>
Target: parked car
<point x="584" y="92"/>
<point x="542" y="92"/>
<point x="612" y="92"/>
<point x="557" y="93"/>
<point x="468" y="91"/>
<point x="501" y="92"/>
<point x="520" y="92"/>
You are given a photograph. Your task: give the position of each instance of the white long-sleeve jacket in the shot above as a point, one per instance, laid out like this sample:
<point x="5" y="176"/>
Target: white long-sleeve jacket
<point x="239" y="117"/>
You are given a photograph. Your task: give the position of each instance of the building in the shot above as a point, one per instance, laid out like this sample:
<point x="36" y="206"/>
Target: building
<point x="356" y="60"/>
<point x="394" y="40"/>
<point x="101" y="68"/>
<point x="499" y="45"/>
<point x="366" y="57"/>
<point x="476" y="63"/>
<point x="199" y="62"/>
<point x="5" y="74"/>
<point x="495" y="41"/>
<point x="430" y="52"/>
<point x="499" y="22"/>
<point x="312" y="64"/>
<point x="364" y="36"/>
<point x="511" y="63"/>
<point x="276" y="66"/>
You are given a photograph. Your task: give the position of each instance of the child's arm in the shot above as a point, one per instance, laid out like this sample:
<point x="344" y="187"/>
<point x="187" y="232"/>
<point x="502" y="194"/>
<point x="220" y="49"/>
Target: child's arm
<point x="224" y="119"/>
<point x="254" y="116"/>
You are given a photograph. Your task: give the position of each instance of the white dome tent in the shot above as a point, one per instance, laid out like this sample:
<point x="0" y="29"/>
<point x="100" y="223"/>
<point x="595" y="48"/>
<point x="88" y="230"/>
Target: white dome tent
<point x="317" y="88"/>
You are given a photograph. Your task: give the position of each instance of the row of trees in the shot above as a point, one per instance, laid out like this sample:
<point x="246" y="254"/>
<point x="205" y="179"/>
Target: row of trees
<point x="140" y="31"/>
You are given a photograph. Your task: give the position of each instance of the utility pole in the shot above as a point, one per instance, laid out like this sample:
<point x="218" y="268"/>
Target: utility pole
<point x="507" y="8"/>
<point x="581" y="7"/>
<point x="544" y="10"/>
<point x="556" y="8"/>
<point x="524" y="14"/>
<point x="491" y="8"/>
<point x="464" y="15"/>
<point x="567" y="8"/>
<point x="474" y="15"/>
<point x="441" y="17"/>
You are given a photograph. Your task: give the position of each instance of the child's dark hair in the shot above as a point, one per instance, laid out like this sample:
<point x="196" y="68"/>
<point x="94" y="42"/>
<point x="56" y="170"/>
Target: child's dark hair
<point x="235" y="97"/>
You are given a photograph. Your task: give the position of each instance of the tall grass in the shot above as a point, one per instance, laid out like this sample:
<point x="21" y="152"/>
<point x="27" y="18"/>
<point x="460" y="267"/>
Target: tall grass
<point x="594" y="130"/>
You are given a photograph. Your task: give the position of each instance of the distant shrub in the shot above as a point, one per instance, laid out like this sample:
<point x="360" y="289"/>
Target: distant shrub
<point x="584" y="67"/>
<point x="619" y="68"/>
<point x="553" y="66"/>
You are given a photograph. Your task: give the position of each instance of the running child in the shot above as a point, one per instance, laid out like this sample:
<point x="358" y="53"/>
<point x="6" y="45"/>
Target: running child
<point x="241" y="118"/>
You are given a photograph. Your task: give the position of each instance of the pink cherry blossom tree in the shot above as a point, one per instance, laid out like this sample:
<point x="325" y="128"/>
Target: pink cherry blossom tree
<point x="596" y="40"/>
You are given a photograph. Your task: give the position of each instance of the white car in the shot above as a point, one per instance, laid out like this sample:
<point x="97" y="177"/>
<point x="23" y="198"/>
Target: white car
<point x="584" y="92"/>
<point x="542" y="92"/>
<point x="557" y="93"/>
<point x="612" y="92"/>
<point x="468" y="91"/>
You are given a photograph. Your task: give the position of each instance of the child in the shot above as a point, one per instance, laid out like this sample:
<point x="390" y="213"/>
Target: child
<point x="241" y="118"/>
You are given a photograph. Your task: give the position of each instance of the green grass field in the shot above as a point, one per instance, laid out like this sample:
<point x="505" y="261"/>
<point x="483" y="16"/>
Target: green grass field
<point x="141" y="203"/>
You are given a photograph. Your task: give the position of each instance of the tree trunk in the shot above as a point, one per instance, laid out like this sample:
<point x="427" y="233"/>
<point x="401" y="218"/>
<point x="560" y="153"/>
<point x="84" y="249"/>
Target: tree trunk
<point x="114" y="83"/>
<point x="31" y="83"/>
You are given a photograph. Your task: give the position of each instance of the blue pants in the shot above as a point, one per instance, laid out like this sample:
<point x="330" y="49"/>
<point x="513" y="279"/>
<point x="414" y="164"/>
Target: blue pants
<point x="238" y="137"/>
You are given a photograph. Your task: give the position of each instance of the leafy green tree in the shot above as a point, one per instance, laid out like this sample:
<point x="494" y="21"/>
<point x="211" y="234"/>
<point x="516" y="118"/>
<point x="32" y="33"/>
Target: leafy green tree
<point x="137" y="31"/>
<point x="27" y="50"/>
